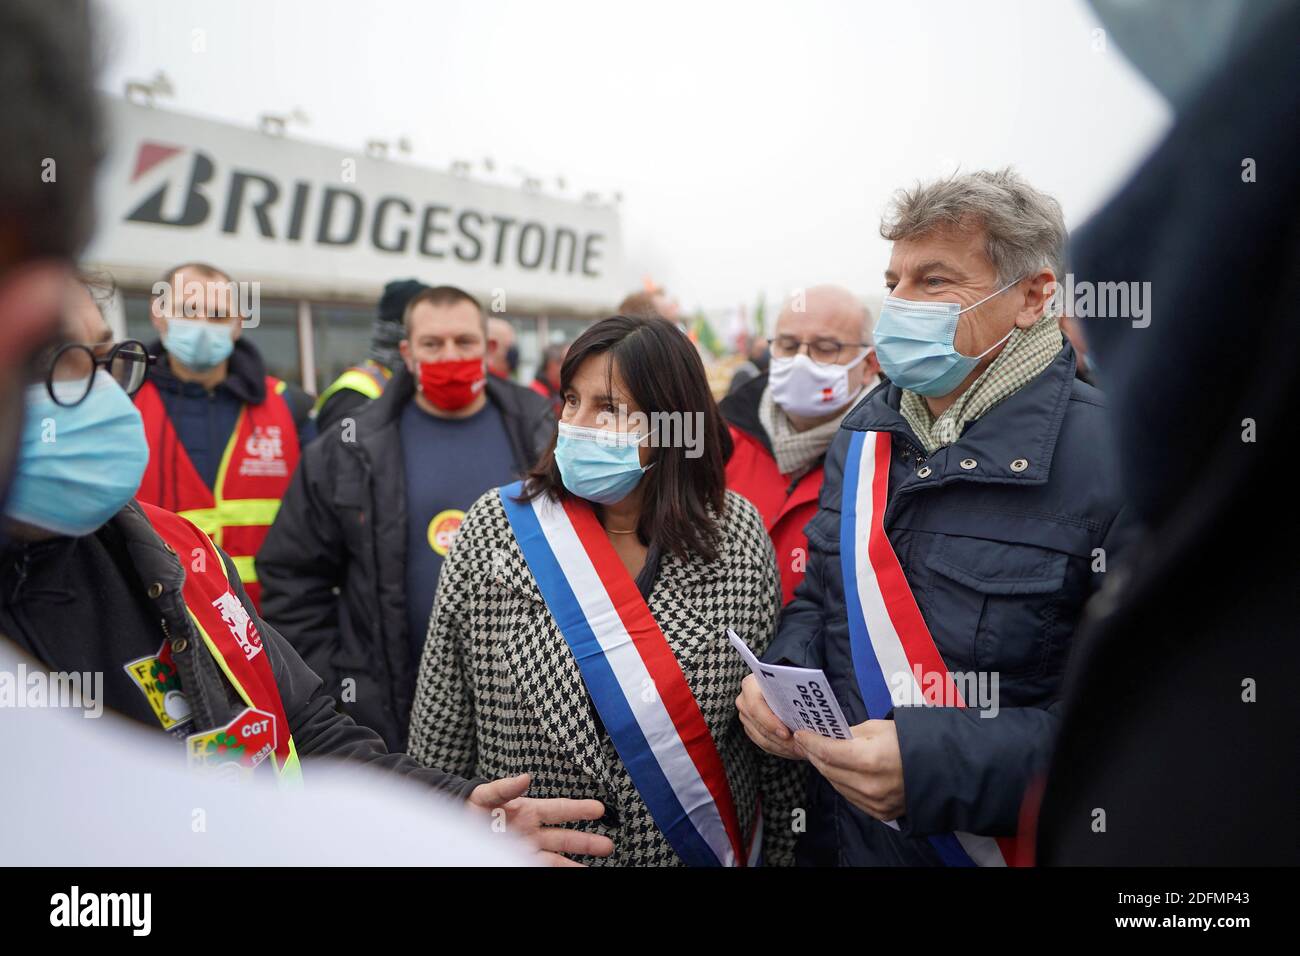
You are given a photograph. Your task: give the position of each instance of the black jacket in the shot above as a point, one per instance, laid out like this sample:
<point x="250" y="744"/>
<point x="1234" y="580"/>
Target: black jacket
<point x="1181" y="720"/>
<point x="333" y="567"/>
<point x="84" y="604"/>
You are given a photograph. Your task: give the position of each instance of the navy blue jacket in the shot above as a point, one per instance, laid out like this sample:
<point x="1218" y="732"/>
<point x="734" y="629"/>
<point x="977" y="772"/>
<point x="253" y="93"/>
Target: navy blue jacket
<point x="1000" y="562"/>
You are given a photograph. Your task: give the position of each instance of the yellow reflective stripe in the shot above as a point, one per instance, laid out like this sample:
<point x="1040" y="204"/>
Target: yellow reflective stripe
<point x="354" y="379"/>
<point x="234" y="513"/>
<point x="207" y="519"/>
<point x="245" y="512"/>
<point x="225" y="465"/>
<point x="245" y="566"/>
<point x="291" y="772"/>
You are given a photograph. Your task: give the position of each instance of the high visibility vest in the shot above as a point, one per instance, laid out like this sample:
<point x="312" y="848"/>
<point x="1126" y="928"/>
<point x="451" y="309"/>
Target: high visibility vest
<point x="228" y="631"/>
<point x="369" y="379"/>
<point x="253" y="476"/>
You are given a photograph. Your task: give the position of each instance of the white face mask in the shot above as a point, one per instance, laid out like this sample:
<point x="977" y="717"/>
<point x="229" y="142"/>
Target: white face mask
<point x="803" y="388"/>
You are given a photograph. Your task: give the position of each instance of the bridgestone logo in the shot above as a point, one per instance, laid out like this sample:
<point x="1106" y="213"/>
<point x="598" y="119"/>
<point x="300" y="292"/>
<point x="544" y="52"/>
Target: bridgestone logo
<point x="336" y="216"/>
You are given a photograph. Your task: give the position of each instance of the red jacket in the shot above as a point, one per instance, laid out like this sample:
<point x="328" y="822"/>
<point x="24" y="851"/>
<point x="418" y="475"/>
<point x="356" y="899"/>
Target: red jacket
<point x="786" y="506"/>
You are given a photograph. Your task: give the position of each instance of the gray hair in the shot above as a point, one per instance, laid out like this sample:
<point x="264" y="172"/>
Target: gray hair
<point x="1024" y="229"/>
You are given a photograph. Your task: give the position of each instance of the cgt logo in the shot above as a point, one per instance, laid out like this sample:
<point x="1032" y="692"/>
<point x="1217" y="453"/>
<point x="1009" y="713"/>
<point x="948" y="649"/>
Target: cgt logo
<point x="339" y="217"/>
<point x="264" y="453"/>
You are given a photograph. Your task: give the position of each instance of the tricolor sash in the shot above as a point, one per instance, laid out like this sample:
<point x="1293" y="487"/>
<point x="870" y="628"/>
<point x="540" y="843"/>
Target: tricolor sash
<point x="889" y="639"/>
<point x="661" y="737"/>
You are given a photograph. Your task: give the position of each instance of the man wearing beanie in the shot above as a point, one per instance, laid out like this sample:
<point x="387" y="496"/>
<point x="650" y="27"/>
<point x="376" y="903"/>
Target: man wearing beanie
<point x="361" y="383"/>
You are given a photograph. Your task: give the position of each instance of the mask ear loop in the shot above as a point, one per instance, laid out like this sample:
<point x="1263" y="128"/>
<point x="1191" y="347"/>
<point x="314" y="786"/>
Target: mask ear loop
<point x="981" y="302"/>
<point x="991" y="295"/>
<point x="639" y="442"/>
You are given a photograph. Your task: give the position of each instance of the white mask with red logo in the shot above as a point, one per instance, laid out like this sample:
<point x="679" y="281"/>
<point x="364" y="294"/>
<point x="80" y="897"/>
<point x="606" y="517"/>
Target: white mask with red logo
<point x="803" y="388"/>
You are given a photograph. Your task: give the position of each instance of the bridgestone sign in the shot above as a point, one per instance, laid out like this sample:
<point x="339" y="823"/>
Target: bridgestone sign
<point x="309" y="220"/>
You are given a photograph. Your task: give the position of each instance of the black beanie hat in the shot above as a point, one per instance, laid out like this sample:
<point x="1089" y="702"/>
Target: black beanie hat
<point x="396" y="294"/>
<point x="387" y="331"/>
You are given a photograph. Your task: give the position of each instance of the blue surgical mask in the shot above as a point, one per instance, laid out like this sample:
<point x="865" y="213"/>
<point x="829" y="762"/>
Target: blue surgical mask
<point x="914" y="343"/>
<point x="77" y="466"/>
<point x="597" y="464"/>
<point x="198" y="344"/>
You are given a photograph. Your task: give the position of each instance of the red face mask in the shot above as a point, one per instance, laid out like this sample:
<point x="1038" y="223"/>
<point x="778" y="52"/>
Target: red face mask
<point x="452" y="385"/>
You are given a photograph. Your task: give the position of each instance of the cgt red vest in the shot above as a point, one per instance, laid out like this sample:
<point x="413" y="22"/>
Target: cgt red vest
<point x="262" y="731"/>
<point x="752" y="472"/>
<point x="254" y="475"/>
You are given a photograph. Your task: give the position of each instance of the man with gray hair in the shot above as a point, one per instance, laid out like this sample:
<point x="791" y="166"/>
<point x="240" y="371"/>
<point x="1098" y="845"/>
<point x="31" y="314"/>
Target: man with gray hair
<point x="969" y="510"/>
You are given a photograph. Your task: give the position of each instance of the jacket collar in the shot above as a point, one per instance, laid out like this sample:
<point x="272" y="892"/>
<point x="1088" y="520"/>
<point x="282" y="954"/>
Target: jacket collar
<point x="740" y="409"/>
<point x="1023" y="428"/>
<point x="245" y="374"/>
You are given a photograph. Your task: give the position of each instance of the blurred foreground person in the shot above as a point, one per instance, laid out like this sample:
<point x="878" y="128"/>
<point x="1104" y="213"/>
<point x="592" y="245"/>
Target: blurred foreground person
<point x="224" y="436"/>
<point x="616" y="567"/>
<point x="1180" y="732"/>
<point x="352" y="563"/>
<point x="967" y="510"/>
<point x="47" y="115"/>
<point x="92" y="581"/>
<point x="365" y="382"/>
<point x="372" y="818"/>
<point x="782" y="423"/>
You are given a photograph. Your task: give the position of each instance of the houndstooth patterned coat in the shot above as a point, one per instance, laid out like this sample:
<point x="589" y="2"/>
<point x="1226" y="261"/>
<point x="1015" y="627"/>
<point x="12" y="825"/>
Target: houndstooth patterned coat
<point x="499" y="692"/>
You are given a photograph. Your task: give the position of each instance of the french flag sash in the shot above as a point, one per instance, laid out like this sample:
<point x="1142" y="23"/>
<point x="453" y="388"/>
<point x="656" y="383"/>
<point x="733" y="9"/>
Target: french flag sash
<point x="634" y="680"/>
<point x="889" y="639"/>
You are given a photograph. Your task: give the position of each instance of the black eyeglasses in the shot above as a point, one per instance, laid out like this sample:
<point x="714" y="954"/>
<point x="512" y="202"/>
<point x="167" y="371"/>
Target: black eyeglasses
<point x="72" y="370"/>
<point x="823" y="351"/>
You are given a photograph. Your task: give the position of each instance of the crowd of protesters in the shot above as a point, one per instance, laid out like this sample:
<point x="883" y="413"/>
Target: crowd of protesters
<point x="500" y="589"/>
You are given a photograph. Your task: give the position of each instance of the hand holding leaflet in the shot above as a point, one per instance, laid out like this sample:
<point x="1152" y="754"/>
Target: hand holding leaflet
<point x="800" y="696"/>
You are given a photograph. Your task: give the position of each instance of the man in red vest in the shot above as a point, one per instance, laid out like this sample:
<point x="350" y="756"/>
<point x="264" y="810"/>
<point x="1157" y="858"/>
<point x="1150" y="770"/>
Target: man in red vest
<point x="224" y="436"/>
<point x="822" y="364"/>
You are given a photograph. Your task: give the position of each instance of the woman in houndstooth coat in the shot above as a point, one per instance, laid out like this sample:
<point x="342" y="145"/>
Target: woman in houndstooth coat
<point x="499" y="691"/>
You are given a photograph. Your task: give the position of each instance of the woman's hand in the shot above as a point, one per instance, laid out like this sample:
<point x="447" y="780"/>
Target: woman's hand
<point x="539" y="820"/>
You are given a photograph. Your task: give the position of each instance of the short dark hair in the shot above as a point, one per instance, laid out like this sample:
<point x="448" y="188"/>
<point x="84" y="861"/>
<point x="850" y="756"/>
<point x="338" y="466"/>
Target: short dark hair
<point x="683" y="497"/>
<point x="441" y="295"/>
<point x="48" y="113"/>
